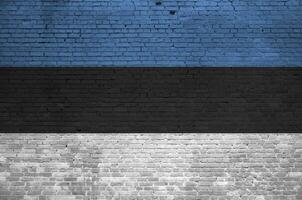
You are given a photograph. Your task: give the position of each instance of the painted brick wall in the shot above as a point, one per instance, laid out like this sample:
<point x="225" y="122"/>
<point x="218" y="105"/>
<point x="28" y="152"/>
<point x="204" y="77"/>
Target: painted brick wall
<point x="150" y="33"/>
<point x="151" y="166"/>
<point x="215" y="100"/>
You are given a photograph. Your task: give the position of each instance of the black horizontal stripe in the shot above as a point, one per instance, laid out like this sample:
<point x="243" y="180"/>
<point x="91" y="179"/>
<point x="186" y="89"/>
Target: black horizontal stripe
<point x="151" y="100"/>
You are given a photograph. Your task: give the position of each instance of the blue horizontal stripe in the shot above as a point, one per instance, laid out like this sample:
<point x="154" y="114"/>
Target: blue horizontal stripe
<point x="167" y="33"/>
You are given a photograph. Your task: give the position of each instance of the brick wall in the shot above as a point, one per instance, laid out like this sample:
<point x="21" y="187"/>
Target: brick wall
<point x="150" y="33"/>
<point x="151" y="166"/>
<point x="159" y="33"/>
<point x="151" y="100"/>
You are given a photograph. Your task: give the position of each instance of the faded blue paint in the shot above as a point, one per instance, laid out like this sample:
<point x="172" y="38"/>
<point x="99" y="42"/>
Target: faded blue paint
<point x="141" y="33"/>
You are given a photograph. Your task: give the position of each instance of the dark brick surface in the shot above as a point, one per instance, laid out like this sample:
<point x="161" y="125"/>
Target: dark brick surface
<point x="150" y="100"/>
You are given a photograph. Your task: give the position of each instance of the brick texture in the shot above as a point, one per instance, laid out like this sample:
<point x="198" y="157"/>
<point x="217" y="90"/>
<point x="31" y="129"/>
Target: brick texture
<point x="151" y="166"/>
<point x="150" y="33"/>
<point x="216" y="100"/>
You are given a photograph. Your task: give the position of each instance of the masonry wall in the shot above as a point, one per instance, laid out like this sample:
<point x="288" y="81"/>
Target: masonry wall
<point x="151" y="33"/>
<point x="152" y="100"/>
<point x="45" y="152"/>
<point x="151" y="166"/>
